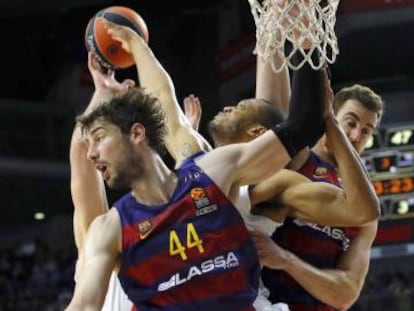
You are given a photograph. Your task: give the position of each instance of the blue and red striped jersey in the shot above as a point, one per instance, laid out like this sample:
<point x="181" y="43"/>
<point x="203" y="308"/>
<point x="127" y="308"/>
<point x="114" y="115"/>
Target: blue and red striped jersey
<point x="193" y="253"/>
<point x="321" y="246"/>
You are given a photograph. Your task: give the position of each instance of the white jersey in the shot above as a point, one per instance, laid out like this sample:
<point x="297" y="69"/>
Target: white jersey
<point x="267" y="226"/>
<point x="116" y="299"/>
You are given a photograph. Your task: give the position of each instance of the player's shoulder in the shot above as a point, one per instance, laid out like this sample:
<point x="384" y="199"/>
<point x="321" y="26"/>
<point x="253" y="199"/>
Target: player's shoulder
<point x="190" y="160"/>
<point x="105" y="231"/>
<point x="110" y="218"/>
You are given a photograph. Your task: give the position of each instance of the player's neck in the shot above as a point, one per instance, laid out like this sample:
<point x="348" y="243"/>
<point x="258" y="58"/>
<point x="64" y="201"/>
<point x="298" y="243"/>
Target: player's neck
<point x="322" y="151"/>
<point x="156" y="186"/>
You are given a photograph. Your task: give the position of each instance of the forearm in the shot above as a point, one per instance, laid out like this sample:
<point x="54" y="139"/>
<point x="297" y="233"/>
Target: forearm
<point x="275" y="187"/>
<point x="156" y="80"/>
<point x="87" y="188"/>
<point x="362" y="202"/>
<point x="273" y="87"/>
<point x="152" y="76"/>
<point x="86" y="183"/>
<point x="99" y="96"/>
<point x="332" y="287"/>
<point x="305" y="124"/>
<point x="319" y="203"/>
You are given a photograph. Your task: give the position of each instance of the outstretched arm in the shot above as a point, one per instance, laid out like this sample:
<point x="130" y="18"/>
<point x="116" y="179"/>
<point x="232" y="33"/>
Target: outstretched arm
<point x="182" y="140"/>
<point x="252" y="162"/>
<point x="86" y="184"/>
<point x="339" y="287"/>
<point x="271" y="86"/>
<point x="87" y="189"/>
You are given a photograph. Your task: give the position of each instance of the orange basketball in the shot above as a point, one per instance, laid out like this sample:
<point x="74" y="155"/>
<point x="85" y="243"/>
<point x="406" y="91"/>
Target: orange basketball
<point x="110" y="52"/>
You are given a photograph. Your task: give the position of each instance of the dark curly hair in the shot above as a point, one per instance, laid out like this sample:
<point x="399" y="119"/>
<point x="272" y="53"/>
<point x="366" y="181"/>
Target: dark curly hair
<point x="134" y="106"/>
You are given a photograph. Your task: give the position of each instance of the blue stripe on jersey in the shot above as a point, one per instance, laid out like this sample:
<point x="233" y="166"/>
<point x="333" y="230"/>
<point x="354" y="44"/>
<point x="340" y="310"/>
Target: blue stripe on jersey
<point x="153" y="276"/>
<point x="212" y="224"/>
<point x="321" y="246"/>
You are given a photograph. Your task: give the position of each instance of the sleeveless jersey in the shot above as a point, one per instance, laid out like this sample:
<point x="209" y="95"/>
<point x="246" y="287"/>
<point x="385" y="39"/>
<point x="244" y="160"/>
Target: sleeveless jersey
<point x="193" y="253"/>
<point x="321" y="246"/>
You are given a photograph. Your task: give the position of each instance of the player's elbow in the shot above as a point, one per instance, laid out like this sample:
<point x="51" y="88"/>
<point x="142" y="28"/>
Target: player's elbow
<point x="346" y="299"/>
<point x="370" y="213"/>
<point x="375" y="210"/>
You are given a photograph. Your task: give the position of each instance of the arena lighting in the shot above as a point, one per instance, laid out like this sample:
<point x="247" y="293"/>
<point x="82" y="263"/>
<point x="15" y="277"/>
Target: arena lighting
<point x="403" y="207"/>
<point x="39" y="216"/>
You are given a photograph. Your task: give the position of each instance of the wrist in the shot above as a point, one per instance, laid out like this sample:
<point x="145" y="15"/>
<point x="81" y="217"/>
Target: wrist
<point x="281" y="260"/>
<point x="289" y="261"/>
<point x="103" y="92"/>
<point x="98" y="97"/>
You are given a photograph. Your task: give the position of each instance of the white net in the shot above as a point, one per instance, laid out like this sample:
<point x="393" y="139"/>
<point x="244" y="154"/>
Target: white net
<point x="284" y="27"/>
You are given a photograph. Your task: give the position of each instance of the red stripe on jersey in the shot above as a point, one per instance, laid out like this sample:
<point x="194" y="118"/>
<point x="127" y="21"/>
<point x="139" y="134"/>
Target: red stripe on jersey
<point x="231" y="238"/>
<point x="302" y="307"/>
<point x="129" y="235"/>
<point x="210" y="286"/>
<point x="351" y="232"/>
<point x="216" y="195"/>
<point x="176" y="212"/>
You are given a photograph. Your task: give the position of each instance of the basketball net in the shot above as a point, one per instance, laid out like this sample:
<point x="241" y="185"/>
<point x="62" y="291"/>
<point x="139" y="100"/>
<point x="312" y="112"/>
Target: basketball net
<point x="285" y="27"/>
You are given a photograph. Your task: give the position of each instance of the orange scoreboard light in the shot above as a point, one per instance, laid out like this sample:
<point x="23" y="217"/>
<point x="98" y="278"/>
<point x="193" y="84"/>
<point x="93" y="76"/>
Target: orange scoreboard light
<point x="389" y="159"/>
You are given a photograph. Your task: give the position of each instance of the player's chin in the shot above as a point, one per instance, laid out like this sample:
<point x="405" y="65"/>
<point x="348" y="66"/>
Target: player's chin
<point x="112" y="182"/>
<point x="117" y="183"/>
<point x="217" y="123"/>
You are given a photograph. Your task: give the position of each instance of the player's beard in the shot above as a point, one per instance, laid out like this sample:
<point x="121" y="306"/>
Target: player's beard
<point x="224" y="132"/>
<point x="126" y="170"/>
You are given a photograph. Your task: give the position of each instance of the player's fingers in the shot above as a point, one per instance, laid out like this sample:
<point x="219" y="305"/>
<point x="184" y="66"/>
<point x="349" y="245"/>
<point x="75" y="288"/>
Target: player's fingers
<point x="186" y="103"/>
<point x="92" y="61"/>
<point x="197" y="105"/>
<point x="128" y="83"/>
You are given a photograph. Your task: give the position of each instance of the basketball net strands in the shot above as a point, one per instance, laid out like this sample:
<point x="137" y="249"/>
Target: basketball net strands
<point x="285" y="27"/>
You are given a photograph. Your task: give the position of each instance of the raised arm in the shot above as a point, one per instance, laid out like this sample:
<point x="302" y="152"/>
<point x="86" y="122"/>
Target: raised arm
<point x="87" y="189"/>
<point x="86" y="184"/>
<point x="273" y="87"/>
<point x="101" y="252"/>
<point x="251" y="162"/>
<point x="182" y="140"/>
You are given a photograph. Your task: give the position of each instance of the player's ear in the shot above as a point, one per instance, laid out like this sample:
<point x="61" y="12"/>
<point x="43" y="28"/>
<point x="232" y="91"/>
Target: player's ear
<point x="256" y="130"/>
<point x="137" y="133"/>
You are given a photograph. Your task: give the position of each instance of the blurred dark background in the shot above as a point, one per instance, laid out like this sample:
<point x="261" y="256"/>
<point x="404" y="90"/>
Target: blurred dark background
<point x="206" y="46"/>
